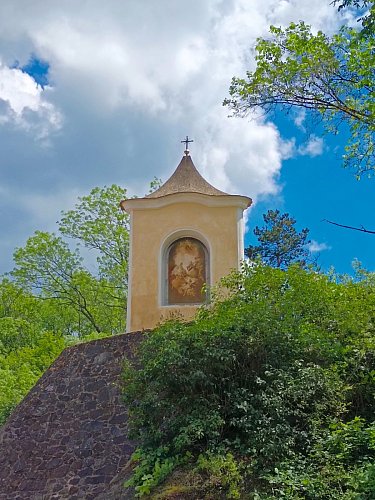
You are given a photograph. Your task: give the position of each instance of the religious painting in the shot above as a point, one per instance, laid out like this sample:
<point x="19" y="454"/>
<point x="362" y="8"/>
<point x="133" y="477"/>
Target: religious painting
<point x="186" y="272"/>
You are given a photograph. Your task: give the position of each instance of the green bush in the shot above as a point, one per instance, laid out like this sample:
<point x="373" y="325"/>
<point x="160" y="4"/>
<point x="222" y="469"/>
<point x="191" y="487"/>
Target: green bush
<point x="264" y="374"/>
<point x="21" y="367"/>
<point x="16" y="333"/>
<point x="223" y="473"/>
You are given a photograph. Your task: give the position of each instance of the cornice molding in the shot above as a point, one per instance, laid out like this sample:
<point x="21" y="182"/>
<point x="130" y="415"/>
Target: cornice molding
<point x="227" y="200"/>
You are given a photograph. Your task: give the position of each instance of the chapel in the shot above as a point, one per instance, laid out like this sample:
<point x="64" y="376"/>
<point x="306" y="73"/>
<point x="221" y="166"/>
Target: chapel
<point x="184" y="237"/>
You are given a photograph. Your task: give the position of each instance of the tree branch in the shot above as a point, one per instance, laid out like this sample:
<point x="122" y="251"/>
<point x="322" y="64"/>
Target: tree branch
<point x="361" y="229"/>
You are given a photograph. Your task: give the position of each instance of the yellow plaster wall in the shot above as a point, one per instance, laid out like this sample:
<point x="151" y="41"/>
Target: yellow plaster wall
<point x="150" y="228"/>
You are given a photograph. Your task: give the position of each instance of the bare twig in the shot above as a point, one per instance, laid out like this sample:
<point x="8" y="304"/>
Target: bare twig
<point x="361" y="229"/>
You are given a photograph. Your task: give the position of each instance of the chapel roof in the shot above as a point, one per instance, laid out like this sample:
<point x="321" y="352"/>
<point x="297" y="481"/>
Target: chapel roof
<point x="186" y="179"/>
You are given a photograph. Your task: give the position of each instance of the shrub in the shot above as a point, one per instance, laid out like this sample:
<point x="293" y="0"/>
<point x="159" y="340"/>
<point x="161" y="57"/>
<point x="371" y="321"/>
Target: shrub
<point x="262" y="375"/>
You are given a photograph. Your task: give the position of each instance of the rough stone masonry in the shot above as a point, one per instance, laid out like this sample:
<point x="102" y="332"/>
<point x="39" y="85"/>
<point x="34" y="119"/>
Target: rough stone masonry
<point x="68" y="437"/>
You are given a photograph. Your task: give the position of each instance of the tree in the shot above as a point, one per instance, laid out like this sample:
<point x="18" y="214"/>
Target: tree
<point x="48" y="268"/>
<point x="99" y="224"/>
<point x="16" y="333"/>
<point x="279" y="242"/>
<point x="330" y="77"/>
<point x="368" y="17"/>
<point x="270" y="390"/>
<point x="24" y="355"/>
<point x="55" y="294"/>
<point x="16" y="302"/>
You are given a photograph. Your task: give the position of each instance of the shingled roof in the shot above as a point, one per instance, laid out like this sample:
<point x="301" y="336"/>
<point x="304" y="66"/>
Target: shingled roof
<point x="186" y="179"/>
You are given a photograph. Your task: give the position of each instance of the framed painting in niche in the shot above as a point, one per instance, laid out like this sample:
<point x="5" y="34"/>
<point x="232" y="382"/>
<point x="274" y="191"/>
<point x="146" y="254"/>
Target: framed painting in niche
<point x="187" y="271"/>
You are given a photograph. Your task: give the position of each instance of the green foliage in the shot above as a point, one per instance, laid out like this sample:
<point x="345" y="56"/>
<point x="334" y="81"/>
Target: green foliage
<point x="279" y="242"/>
<point x="16" y="333"/>
<point x="279" y="374"/>
<point x="26" y="356"/>
<point x="51" y="299"/>
<point x="331" y="77"/>
<point x="47" y="265"/>
<point x="49" y="269"/>
<point x="98" y="223"/>
<point x="153" y="466"/>
<point x="17" y="302"/>
<point x="223" y="473"/>
<point x="155" y="184"/>
<point x="340" y="466"/>
<point x="367" y="8"/>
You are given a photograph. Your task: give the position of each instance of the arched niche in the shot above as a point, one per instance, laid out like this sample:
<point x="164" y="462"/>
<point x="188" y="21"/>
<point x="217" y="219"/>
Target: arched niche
<point x="185" y="271"/>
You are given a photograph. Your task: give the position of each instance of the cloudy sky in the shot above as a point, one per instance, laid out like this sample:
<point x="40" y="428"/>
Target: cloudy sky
<point x="94" y="93"/>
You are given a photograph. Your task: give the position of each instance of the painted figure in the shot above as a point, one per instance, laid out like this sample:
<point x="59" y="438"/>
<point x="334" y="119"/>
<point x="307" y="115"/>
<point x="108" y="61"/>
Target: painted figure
<point x="186" y="272"/>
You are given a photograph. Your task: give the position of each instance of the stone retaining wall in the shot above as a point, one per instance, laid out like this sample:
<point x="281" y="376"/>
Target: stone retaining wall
<point x="68" y="437"/>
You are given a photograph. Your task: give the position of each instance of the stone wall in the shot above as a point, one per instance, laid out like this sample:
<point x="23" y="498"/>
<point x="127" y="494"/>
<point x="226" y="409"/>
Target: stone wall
<point x="68" y="437"/>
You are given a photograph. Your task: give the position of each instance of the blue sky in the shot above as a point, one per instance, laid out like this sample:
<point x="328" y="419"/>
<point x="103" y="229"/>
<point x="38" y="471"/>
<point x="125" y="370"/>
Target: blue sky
<point x="36" y="68"/>
<point x="317" y="188"/>
<point x="95" y="93"/>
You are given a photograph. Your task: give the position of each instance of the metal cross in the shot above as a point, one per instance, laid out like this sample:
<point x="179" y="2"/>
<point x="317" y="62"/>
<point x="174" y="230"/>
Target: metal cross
<point x="186" y="141"/>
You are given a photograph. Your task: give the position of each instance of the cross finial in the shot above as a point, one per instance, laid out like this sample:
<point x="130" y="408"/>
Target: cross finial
<point x="186" y="141"/>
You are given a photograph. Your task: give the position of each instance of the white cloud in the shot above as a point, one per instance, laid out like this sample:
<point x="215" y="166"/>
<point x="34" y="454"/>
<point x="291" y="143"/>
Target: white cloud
<point x="236" y="156"/>
<point x="25" y="103"/>
<point x="319" y="14"/>
<point x="313" y="147"/>
<point x="299" y="119"/>
<point x="131" y="79"/>
<point x="315" y="247"/>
